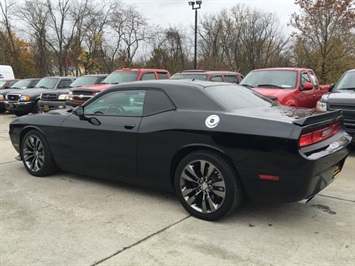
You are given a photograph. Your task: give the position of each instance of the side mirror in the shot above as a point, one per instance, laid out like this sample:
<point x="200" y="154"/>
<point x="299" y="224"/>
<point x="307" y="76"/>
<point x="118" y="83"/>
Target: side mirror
<point x="79" y="111"/>
<point x="331" y="87"/>
<point x="307" y="86"/>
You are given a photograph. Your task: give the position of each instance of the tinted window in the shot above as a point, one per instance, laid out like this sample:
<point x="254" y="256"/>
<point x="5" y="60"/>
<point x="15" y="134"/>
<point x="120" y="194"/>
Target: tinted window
<point x="84" y="81"/>
<point x="304" y="78"/>
<point x="47" y="83"/>
<point x="286" y="79"/>
<point x="163" y="75"/>
<point x="314" y="79"/>
<point x="346" y="82"/>
<point x="236" y="97"/>
<point x="190" y="76"/>
<point x="156" y="102"/>
<point x="65" y="83"/>
<point x="121" y="76"/>
<point x="231" y="78"/>
<point x="118" y="103"/>
<point x="216" y="78"/>
<point x="148" y="76"/>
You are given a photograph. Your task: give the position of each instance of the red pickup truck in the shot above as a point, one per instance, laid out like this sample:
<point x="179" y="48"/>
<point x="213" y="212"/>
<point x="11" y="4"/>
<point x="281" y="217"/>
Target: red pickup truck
<point x="298" y="87"/>
<point x="78" y="96"/>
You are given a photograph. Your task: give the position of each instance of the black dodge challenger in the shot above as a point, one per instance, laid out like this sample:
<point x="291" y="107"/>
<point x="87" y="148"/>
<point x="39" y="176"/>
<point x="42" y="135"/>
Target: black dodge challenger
<point x="213" y="143"/>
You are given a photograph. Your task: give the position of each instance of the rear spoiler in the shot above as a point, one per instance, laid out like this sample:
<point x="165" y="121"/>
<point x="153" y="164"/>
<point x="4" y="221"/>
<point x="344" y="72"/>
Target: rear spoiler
<point x="314" y="119"/>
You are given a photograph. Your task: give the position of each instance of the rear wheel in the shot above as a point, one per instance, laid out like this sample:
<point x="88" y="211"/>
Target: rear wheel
<point x="36" y="155"/>
<point x="207" y="185"/>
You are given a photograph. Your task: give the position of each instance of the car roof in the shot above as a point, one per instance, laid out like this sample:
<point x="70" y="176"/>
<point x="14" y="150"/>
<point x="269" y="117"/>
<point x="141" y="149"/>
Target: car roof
<point x="140" y="69"/>
<point x="197" y="71"/>
<point x="282" y="68"/>
<point x="94" y="75"/>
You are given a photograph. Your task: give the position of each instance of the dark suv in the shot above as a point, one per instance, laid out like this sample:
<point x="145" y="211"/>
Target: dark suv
<point x="221" y="76"/>
<point x="26" y="101"/>
<point x="56" y="99"/>
<point x="342" y="96"/>
<point x="78" y="96"/>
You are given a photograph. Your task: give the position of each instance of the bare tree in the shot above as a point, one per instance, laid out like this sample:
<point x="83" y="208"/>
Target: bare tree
<point x="130" y="29"/>
<point x="242" y="39"/>
<point x="8" y="36"/>
<point x="326" y="26"/>
<point x="62" y="31"/>
<point x="35" y="15"/>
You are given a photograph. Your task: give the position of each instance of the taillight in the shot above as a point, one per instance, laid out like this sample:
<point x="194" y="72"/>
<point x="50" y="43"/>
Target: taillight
<point x="318" y="135"/>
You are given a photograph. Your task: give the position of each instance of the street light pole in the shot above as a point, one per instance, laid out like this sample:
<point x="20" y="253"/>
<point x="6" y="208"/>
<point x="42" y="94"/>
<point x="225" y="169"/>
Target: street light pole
<point x="195" y="5"/>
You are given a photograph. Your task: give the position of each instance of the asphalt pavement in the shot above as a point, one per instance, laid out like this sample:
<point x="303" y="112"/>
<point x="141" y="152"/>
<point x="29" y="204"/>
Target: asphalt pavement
<point x="69" y="219"/>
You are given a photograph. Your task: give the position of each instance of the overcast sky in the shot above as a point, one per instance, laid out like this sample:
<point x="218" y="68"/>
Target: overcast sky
<point x="178" y="12"/>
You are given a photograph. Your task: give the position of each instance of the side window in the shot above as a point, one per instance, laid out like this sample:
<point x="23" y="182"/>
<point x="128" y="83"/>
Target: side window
<point x="304" y="77"/>
<point x="148" y="76"/>
<point x="314" y="79"/>
<point x="118" y="103"/>
<point x="64" y="83"/>
<point x="231" y="78"/>
<point x="163" y="75"/>
<point x="157" y="101"/>
<point x="216" y="78"/>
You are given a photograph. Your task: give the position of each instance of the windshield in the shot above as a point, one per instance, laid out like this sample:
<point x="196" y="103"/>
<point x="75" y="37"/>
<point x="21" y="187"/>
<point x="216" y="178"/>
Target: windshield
<point x="84" y="81"/>
<point x="47" y="83"/>
<point x="189" y="76"/>
<point x="346" y="82"/>
<point x="121" y="76"/>
<point x="21" y="84"/>
<point x="237" y="97"/>
<point x="283" y="79"/>
<point x="2" y="83"/>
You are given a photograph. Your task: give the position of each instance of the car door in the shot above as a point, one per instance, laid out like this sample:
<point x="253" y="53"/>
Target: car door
<point x="104" y="138"/>
<point x="305" y="98"/>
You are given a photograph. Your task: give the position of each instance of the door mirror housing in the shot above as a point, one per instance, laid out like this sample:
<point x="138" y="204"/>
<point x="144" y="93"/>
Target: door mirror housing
<point x="331" y="87"/>
<point x="307" y="86"/>
<point x="79" y="111"/>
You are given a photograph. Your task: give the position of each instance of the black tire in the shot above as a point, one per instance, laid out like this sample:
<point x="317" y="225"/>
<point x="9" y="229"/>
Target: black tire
<point x="2" y="110"/>
<point x="36" y="109"/>
<point x="36" y="155"/>
<point x="212" y="194"/>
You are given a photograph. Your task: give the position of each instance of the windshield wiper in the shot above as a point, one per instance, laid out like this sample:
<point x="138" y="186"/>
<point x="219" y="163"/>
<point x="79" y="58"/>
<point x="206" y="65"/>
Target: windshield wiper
<point x="43" y="87"/>
<point x="247" y="85"/>
<point x="346" y="89"/>
<point x="269" y="85"/>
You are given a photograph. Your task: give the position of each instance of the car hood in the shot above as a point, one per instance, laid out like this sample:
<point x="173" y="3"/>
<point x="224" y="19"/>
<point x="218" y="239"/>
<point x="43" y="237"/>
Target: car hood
<point x="6" y="91"/>
<point x="31" y="92"/>
<point x="343" y="97"/>
<point x="57" y="92"/>
<point x="272" y="91"/>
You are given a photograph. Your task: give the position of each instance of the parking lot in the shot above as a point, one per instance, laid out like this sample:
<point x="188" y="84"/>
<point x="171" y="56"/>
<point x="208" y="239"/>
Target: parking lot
<point x="69" y="219"/>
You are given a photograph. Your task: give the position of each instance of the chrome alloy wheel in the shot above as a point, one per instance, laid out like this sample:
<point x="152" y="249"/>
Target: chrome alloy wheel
<point x="202" y="186"/>
<point x="33" y="153"/>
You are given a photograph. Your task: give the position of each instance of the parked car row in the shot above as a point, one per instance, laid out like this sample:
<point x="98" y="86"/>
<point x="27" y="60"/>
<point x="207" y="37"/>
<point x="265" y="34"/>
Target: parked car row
<point x="296" y="87"/>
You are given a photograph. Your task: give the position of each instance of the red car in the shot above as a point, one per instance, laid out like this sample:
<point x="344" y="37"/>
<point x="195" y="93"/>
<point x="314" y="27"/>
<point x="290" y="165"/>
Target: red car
<point x="222" y="76"/>
<point x="297" y="87"/>
<point x="80" y="95"/>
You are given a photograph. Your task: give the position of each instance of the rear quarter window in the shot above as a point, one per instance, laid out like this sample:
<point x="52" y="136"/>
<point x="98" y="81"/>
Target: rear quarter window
<point x="157" y="101"/>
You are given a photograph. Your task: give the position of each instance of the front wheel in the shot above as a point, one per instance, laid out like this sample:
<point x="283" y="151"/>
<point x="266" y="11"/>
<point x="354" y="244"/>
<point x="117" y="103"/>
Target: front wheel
<point x="36" y="155"/>
<point x="207" y="185"/>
